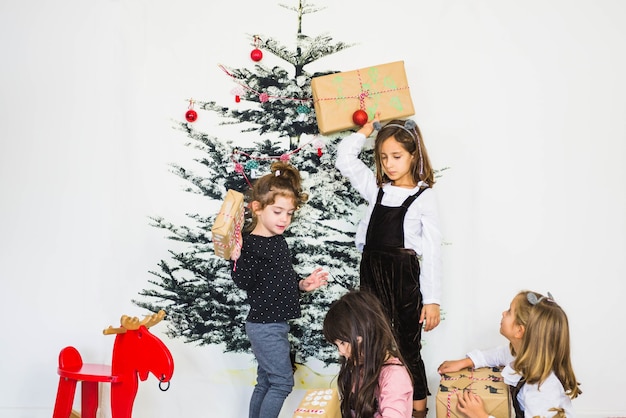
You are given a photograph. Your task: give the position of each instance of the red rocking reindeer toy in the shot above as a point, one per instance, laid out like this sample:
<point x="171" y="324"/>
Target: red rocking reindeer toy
<point x="136" y="352"/>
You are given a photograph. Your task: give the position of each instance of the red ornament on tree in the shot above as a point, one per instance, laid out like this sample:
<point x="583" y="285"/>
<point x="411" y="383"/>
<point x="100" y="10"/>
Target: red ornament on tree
<point x="191" y="115"/>
<point x="238" y="92"/>
<point x="319" y="144"/>
<point x="359" y="117"/>
<point x="256" y="55"/>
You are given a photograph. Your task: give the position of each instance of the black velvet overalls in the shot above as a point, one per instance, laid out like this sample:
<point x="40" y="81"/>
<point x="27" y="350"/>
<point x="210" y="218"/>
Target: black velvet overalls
<point x="391" y="272"/>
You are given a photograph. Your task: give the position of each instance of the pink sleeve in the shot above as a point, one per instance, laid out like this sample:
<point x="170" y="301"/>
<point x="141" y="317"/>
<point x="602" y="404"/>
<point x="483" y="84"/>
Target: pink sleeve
<point x="396" y="392"/>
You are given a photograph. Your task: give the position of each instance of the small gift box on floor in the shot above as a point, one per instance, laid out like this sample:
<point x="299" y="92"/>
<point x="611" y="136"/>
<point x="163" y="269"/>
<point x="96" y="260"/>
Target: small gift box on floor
<point x="319" y="403"/>
<point x="486" y="382"/>
<point x="347" y="100"/>
<point x="228" y="224"/>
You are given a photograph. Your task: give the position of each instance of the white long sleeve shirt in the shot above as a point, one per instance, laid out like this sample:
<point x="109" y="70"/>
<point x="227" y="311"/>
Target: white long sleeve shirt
<point x="421" y="223"/>
<point x="535" y="400"/>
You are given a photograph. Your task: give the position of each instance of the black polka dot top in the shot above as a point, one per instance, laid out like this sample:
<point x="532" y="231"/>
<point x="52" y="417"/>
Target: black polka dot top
<point x="266" y="273"/>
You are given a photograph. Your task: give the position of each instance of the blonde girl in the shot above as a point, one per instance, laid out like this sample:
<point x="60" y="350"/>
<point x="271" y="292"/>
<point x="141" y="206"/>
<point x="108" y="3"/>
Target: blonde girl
<point x="537" y="362"/>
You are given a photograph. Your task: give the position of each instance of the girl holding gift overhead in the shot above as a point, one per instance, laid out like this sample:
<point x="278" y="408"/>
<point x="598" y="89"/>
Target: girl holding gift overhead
<point x="373" y="381"/>
<point x="537" y="362"/>
<point x="264" y="270"/>
<point x="399" y="236"/>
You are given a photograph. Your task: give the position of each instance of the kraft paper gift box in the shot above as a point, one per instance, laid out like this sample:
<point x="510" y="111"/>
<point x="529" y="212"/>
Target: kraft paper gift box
<point x="319" y="403"/>
<point x="382" y="88"/>
<point x="486" y="382"/>
<point x="227" y="224"/>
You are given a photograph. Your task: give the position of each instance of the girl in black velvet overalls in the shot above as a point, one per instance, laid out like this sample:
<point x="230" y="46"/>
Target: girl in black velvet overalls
<point x="391" y="272"/>
<point x="390" y="267"/>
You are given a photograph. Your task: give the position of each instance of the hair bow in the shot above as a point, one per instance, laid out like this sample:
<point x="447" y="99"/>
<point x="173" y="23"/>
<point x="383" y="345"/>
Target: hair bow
<point x="533" y="300"/>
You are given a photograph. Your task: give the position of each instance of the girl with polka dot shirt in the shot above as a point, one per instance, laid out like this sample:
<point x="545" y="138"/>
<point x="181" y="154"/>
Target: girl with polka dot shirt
<point x="264" y="270"/>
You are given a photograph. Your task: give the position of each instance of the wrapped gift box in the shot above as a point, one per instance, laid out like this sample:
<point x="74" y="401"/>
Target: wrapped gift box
<point x="228" y="224"/>
<point x="486" y="382"/>
<point x="319" y="403"/>
<point x="382" y="88"/>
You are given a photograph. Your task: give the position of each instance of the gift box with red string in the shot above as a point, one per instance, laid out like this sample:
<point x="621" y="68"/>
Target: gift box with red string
<point x="486" y="382"/>
<point x="347" y="100"/>
<point x="227" y="225"/>
<point x="319" y="403"/>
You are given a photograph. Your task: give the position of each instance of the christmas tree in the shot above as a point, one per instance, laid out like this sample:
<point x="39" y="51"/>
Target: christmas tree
<point x="194" y="287"/>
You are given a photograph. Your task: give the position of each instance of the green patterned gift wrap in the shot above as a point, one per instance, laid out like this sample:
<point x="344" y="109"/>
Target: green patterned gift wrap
<point x="382" y="88"/>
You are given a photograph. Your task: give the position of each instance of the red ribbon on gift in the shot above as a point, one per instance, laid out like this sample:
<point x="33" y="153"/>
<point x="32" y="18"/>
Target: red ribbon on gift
<point x="234" y="239"/>
<point x="364" y="93"/>
<point x="470" y="377"/>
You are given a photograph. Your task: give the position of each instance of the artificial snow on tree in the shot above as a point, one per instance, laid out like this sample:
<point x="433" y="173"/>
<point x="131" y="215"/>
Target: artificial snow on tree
<point x="204" y="305"/>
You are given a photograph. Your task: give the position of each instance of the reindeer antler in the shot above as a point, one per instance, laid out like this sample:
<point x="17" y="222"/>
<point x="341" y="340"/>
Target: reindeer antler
<point x="130" y="324"/>
<point x="152" y="320"/>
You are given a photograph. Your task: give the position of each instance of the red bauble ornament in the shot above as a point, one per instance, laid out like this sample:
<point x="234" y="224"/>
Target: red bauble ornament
<point x="191" y="115"/>
<point x="256" y="54"/>
<point x="360" y="117"/>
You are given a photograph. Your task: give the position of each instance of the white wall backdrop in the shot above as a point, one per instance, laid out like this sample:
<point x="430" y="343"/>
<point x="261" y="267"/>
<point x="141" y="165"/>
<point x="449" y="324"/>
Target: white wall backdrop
<point x="524" y="101"/>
